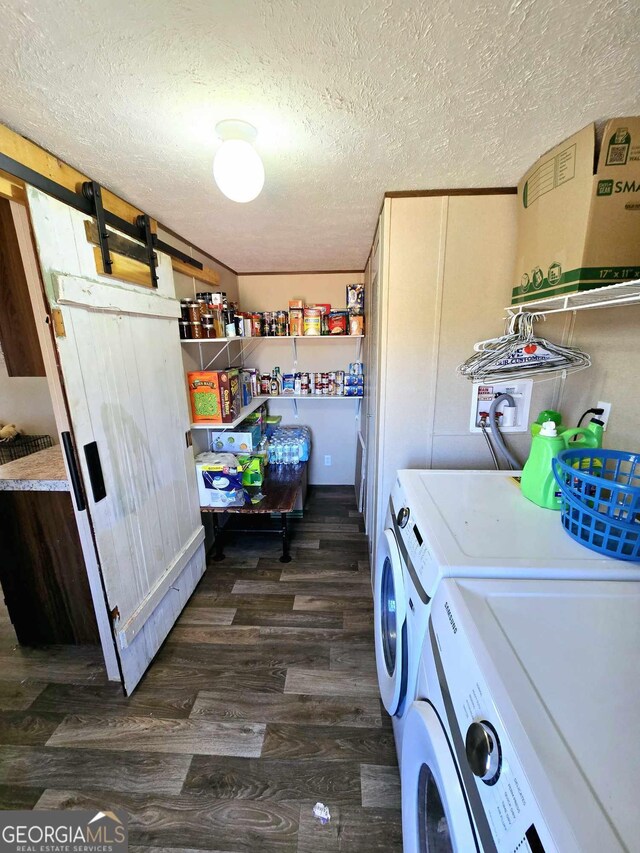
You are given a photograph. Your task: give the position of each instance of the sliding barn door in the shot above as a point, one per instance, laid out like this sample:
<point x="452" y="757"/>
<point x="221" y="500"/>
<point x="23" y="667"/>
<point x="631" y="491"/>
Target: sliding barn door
<point x="121" y="363"/>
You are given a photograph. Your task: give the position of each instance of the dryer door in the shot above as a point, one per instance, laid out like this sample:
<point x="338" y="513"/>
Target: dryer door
<point x="435" y="815"/>
<point x="390" y="613"/>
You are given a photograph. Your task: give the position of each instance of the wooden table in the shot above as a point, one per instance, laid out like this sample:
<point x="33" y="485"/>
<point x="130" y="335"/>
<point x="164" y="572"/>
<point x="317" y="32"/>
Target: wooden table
<point x="280" y="489"/>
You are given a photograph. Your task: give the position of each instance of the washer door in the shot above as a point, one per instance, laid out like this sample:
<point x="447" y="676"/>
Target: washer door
<point x="390" y="613"/>
<point x="435" y="816"/>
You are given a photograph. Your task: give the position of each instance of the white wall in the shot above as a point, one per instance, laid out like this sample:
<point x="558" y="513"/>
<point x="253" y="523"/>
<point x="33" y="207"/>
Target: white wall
<point x="332" y="422"/>
<point x="26" y="401"/>
<point x="469" y="306"/>
<point x="478" y="268"/>
<point x="473" y="308"/>
<point x="611" y="336"/>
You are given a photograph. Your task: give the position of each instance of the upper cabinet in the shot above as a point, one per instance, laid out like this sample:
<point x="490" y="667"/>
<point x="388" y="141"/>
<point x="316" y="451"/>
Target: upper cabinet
<point x="18" y="335"/>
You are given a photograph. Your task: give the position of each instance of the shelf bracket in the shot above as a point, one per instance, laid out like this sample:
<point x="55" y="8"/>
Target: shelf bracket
<point x="217" y="355"/>
<point x="294" y="343"/>
<point x="358" y="407"/>
<point x="244" y="353"/>
<point x="359" y="350"/>
<point x="295" y="409"/>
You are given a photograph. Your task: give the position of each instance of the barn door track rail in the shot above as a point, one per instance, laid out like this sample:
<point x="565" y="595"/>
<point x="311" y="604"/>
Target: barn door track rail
<point x="89" y="202"/>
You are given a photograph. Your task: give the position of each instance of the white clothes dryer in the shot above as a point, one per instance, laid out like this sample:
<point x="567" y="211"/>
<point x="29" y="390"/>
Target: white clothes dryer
<point x="524" y="734"/>
<point x="459" y="524"/>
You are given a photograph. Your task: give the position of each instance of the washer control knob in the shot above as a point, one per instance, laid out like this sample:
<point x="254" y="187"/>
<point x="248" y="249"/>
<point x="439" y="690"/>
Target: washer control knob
<point x="483" y="751"/>
<point x="403" y="516"/>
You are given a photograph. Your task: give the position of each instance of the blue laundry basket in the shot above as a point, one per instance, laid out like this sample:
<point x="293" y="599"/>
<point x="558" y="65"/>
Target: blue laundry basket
<point x="600" y="491"/>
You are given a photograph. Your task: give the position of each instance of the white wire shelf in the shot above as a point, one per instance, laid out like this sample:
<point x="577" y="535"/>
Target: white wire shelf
<point x="624" y="293"/>
<point x="218" y="341"/>
<point x="295" y="397"/>
<point x="275" y="397"/>
<point x="304" y="337"/>
<point x="244" y="411"/>
<point x="243" y="339"/>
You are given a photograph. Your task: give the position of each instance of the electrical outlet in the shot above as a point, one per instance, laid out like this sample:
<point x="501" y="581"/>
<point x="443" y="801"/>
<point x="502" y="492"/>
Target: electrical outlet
<point x="327" y="460"/>
<point x="604" y="417"/>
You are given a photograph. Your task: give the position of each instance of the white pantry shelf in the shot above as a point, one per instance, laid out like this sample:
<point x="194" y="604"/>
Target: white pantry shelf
<point x="243" y="339"/>
<point x="244" y="411"/>
<point x="254" y="341"/>
<point x="218" y="341"/>
<point x="295" y="397"/>
<point x="265" y="397"/>
<point x="624" y="293"/>
<point x="305" y="337"/>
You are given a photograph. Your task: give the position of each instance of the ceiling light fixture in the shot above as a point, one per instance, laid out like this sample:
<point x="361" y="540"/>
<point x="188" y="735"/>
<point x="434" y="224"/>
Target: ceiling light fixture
<point x="237" y="167"/>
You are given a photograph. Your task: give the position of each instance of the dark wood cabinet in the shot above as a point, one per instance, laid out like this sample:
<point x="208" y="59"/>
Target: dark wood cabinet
<point x="18" y="333"/>
<point x="42" y="569"/>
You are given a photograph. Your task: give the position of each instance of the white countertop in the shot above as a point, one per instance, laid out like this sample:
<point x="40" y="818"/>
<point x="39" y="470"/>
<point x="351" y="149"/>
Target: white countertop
<point x="43" y="471"/>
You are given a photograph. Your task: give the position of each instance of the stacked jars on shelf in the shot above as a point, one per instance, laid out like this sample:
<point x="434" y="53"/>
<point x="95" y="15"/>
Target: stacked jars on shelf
<point x="207" y="316"/>
<point x="210" y="315"/>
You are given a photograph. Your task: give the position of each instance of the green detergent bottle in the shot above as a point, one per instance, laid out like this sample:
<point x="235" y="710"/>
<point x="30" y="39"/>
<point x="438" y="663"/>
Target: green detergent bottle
<point x="543" y="417"/>
<point x="592" y="432"/>
<point x="538" y="483"/>
<point x="594" y="428"/>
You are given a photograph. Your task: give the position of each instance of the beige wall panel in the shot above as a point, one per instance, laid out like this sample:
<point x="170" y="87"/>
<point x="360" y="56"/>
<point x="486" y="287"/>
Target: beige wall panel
<point x="333" y="424"/>
<point x="410" y="323"/>
<point x="467" y="450"/>
<point x="463" y="451"/>
<point x="480" y="249"/>
<point x="477" y="270"/>
<point x="186" y="286"/>
<point x="273" y="292"/>
<point x="612" y="337"/>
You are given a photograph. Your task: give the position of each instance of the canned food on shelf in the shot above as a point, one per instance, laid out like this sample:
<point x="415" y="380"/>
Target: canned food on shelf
<point x="312" y="321"/>
<point x="281" y="323"/>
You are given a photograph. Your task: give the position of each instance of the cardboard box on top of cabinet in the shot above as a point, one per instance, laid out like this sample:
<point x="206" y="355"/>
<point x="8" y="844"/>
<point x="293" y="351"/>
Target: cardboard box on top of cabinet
<point x="578" y="230"/>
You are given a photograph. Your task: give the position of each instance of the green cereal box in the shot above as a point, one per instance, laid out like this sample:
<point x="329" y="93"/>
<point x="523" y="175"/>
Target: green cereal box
<point x="204" y="394"/>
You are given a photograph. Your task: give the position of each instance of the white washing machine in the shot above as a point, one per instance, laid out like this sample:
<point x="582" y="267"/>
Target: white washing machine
<point x="401" y="615"/>
<point x="461" y="524"/>
<point x="524" y="737"/>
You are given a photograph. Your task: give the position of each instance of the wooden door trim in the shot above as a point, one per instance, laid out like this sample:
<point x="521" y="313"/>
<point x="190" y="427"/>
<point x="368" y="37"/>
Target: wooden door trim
<point x="99" y="296"/>
<point x="453" y="191"/>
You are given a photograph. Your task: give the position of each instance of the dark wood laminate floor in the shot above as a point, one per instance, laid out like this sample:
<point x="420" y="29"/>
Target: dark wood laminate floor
<point x="262" y="702"/>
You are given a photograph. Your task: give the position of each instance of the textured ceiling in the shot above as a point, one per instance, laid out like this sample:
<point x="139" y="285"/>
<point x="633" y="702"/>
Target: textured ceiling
<point x="350" y="99"/>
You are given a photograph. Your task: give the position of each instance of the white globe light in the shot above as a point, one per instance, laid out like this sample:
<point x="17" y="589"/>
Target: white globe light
<point x="238" y="170"/>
